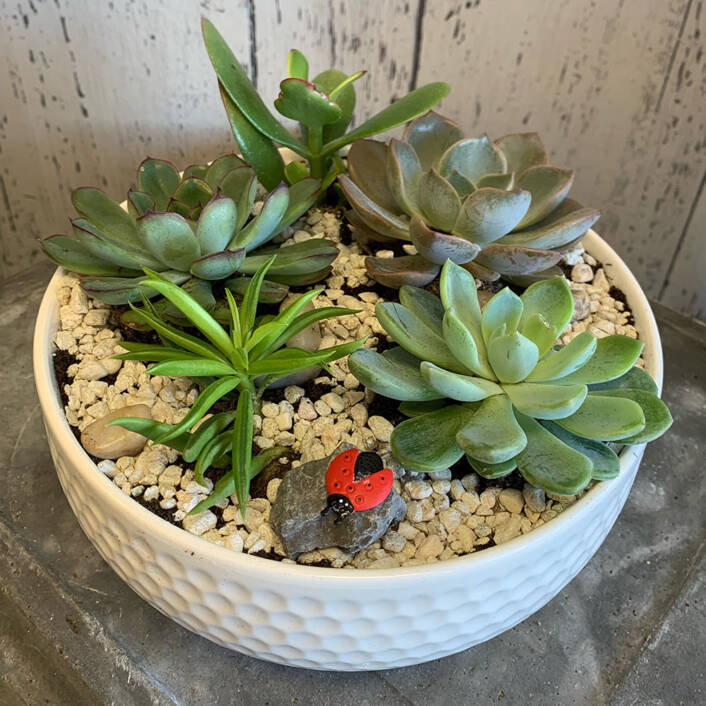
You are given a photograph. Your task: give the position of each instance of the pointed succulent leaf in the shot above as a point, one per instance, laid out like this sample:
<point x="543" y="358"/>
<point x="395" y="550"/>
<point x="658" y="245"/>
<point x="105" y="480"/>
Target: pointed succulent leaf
<point x="634" y="379"/>
<point x="522" y="150"/>
<point x="296" y="171"/>
<point x="428" y="442"/>
<point x="487" y="214"/>
<point x="240" y="185"/>
<point x="404" y="174"/>
<point x="517" y="260"/>
<point x="462" y="185"/>
<point x="216" y="225"/>
<point x="200" y="290"/>
<point x="552" y="299"/>
<point x="505" y="307"/>
<point x="548" y="186"/>
<point x="606" y="464"/>
<point x="195" y="170"/>
<point x="220" y="167"/>
<point x="431" y="135"/>
<point x="218" y="265"/>
<point x="179" y="207"/>
<point x="74" y="257"/>
<point x="474" y="157"/>
<point x="548" y="463"/>
<point x="297" y="65"/>
<point x="614" y="356"/>
<point x="300" y="100"/>
<point x="492" y="435"/>
<point x="373" y="214"/>
<point x="605" y="418"/>
<point x="169" y="237"/>
<point x="496" y="181"/>
<point x="395" y="272"/>
<point x="491" y="471"/>
<point x="657" y="416"/>
<point x="299" y="259"/>
<point x="481" y="272"/>
<point x="328" y="82"/>
<point x="546" y="401"/>
<point x="427" y="307"/>
<point x="290" y="360"/>
<point x="438" y="200"/>
<point x="396" y="378"/>
<point x="266" y="225"/>
<point x="466" y="347"/>
<point x="463" y="388"/>
<point x="367" y="166"/>
<point x="194" y="192"/>
<point x="159" y="179"/>
<point x="539" y="332"/>
<point x="458" y="291"/>
<point x="439" y="247"/>
<point x="192" y="367"/>
<point x="512" y="357"/>
<point x="257" y="148"/>
<point x="309" y="276"/>
<point x="558" y="364"/>
<point x="302" y="197"/>
<point x="414" y="409"/>
<point x="138" y="203"/>
<point x="270" y="292"/>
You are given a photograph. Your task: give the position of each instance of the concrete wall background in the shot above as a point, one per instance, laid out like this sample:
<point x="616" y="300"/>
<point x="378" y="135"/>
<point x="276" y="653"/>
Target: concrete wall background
<point x="616" y="88"/>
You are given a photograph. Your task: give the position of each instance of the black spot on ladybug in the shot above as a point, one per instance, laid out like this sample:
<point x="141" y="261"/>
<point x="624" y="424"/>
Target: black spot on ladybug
<point x="368" y="462"/>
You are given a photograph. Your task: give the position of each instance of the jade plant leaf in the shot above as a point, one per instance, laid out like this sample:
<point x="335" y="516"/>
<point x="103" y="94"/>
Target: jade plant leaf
<point x="605" y="418"/>
<point x="297" y="65"/>
<point x="300" y="100"/>
<point x="338" y="87"/>
<point x="543" y="401"/>
<point x="657" y="416"/>
<point x="614" y="356"/>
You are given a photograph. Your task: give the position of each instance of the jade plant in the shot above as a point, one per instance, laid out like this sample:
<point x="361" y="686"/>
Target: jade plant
<point x="195" y="229"/>
<point x="322" y="105"/>
<point x="240" y="362"/>
<point x="496" y="387"/>
<point x="497" y="208"/>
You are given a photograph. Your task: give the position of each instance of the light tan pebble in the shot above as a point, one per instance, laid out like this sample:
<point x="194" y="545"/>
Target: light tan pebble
<point x="167" y="491"/>
<point x="549" y="515"/>
<point x="481" y="541"/>
<point x="471" y="481"/>
<point x="137" y="491"/>
<point x="489" y="497"/>
<point x="151" y="493"/>
<point x="441" y="486"/>
<point x="497" y="518"/>
<point x="313" y="453"/>
<point x="507" y="530"/>
<point x="414" y="511"/>
<point x="441" y="502"/>
<point x="393" y="542"/>
<point x="334" y="402"/>
<point x="126" y="488"/>
<point x="69" y="319"/>
<point x="535" y="498"/>
<point x="136" y="476"/>
<point x="350" y="381"/>
<point x="444" y="474"/>
<point x="407" y="530"/>
<point x="465" y="536"/>
<point x="170" y="476"/>
<point x="430" y="548"/>
<point x="381" y="427"/>
<point x="600" y="281"/>
<point x="262" y="442"/>
<point x="525" y="525"/>
<point x="511" y="499"/>
<point x="186" y="501"/>
<point x="285" y="438"/>
<point x="461" y="507"/>
<point x="91" y="370"/>
<point x="418" y="489"/>
<point x="359" y="414"/>
<point x="119" y="478"/>
<point x="456" y="489"/>
<point x="471" y="498"/>
<point x="322" y="408"/>
<point x="306" y="410"/>
<point x="284" y="421"/>
<point x="558" y="507"/>
<point x="111" y="365"/>
<point x="270" y="409"/>
<point x="107" y="467"/>
<point x="78" y="301"/>
<point x="589" y="259"/>
<point x="368" y="297"/>
<point x="195" y="487"/>
<point x="565" y="499"/>
<point x="450" y="518"/>
<point x="293" y="393"/>
<point x="483" y="510"/>
<point x="300" y="429"/>
<point x="581" y="273"/>
<point x="105" y="441"/>
<point x="153" y="461"/>
<point x="198" y="524"/>
<point x="64" y="340"/>
<point x="606" y="327"/>
<point x="531" y="516"/>
<point x="272" y="488"/>
<point x="447" y="554"/>
<point x="483" y="529"/>
<point x="255" y="543"/>
<point x="428" y="509"/>
<point x="582" y="305"/>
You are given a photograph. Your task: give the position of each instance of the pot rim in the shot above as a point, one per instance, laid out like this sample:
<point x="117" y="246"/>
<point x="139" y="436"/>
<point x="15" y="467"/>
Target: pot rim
<point x="240" y="562"/>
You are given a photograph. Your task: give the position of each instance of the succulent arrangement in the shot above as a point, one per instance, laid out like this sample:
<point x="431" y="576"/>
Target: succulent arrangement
<point x="240" y="362"/>
<point x="495" y="386"/>
<point x="497" y="208"/>
<point x="194" y="228"/>
<point x="322" y="105"/>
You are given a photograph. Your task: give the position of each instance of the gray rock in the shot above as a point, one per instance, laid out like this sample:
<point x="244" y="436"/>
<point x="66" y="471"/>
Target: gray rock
<point x="103" y="441"/>
<point x="582" y="304"/>
<point x="296" y="513"/>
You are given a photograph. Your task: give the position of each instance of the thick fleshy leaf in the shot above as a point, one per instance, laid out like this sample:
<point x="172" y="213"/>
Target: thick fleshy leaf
<point x="503" y="308"/>
<point x="193" y="192"/>
<point x="522" y="150"/>
<point x="473" y="157"/>
<point x="462" y="185"/>
<point x="300" y="100"/>
<point x="183" y="209"/>
<point x="218" y="265"/>
<point x="122" y="290"/>
<point x="428" y="442"/>
<point x="196" y="170"/>
<point x="431" y="135"/>
<point x="512" y="357"/>
<point x="487" y="214"/>
<point x="635" y="379"/>
<point x="240" y="185"/>
<point x="216" y="225"/>
<point x="548" y="186"/>
<point x="302" y="197"/>
<point x="458" y="291"/>
<point x="481" y="272"/>
<point x="74" y="257"/>
<point x="414" y="335"/>
<point x="540" y="333"/>
<point x="496" y="181"/>
<point x="552" y="299"/>
<point x="466" y="346"/>
<point x="517" y="260"/>
<point x="270" y="292"/>
<point x="266" y="225"/>
<point x="439" y="247"/>
<point x="170" y="239"/>
<point x="657" y="416"/>
<point x="527" y="280"/>
<point x="395" y="272"/>
<point x="606" y="464"/>
<point x="159" y="179"/>
<point x="605" y="418"/>
<point x="566" y="360"/>
<point x="492" y="435"/>
<point x="395" y="376"/>
<point x="299" y="259"/>
<point x="257" y="148"/>
<point x="550" y="464"/>
<point x="373" y="214"/>
<point x="546" y="401"/>
<point x="367" y="166"/>
<point x="491" y="471"/>
<point x="414" y="408"/>
<point x="438" y="200"/>
<point x="424" y="305"/>
<point x="404" y="173"/>
<point x="297" y="65"/>
<point x="138" y="203"/>
<point x="296" y="171"/>
<point x="463" y="388"/>
<point x="329" y="82"/>
<point x="614" y="356"/>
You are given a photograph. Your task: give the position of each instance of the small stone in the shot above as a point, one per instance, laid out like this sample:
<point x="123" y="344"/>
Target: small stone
<point x="171" y="476"/>
<point x="198" y="524"/>
<point x="450" y="518"/>
<point x="582" y="305"/>
<point x="151" y="493"/>
<point x="381" y="427"/>
<point x="78" y="303"/>
<point x="414" y="512"/>
<point x="430" y="548"/>
<point x="471" y="481"/>
<point x="234" y="542"/>
<point x="108" y="467"/>
<point x="441" y="486"/>
<point x="306" y="410"/>
<point x="489" y="497"/>
<point x="359" y="414"/>
<point x="507" y="530"/>
<point x="91" y="370"/>
<point x="418" y="489"/>
<point x="407" y="530"/>
<point x="511" y="500"/>
<point x="581" y="272"/>
<point x="600" y="281"/>
<point x="535" y="498"/>
<point x="393" y="542"/>
<point x="293" y="393"/>
<point x="272" y="488"/>
<point x="334" y="401"/>
<point x="111" y="442"/>
<point x="270" y="409"/>
<point x="441" y="475"/>
<point x="456" y="489"/>
<point x="322" y="408"/>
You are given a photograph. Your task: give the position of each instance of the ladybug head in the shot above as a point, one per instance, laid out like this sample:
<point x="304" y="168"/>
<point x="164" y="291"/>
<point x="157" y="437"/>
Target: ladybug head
<point x="338" y="504"/>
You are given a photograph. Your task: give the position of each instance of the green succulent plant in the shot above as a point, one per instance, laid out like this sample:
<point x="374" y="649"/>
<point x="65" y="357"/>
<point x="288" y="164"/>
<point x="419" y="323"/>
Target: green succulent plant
<point x="497" y="208"/>
<point x="242" y="362"/>
<point x="495" y="386"/>
<point x="323" y="106"/>
<point x="195" y="229"/>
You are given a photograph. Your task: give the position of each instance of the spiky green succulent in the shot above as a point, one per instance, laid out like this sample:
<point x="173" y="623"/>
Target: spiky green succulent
<point x="194" y="229"/>
<point x="495" y="386"/>
<point x="497" y="208"/>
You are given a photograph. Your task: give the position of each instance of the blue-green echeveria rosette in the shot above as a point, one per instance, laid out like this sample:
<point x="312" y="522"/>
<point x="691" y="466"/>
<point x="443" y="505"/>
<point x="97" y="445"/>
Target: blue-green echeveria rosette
<point x="498" y="208"/>
<point x="495" y="386"/>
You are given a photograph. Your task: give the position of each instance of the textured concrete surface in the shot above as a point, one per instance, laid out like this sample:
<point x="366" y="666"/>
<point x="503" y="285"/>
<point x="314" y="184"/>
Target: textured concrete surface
<point x="628" y="630"/>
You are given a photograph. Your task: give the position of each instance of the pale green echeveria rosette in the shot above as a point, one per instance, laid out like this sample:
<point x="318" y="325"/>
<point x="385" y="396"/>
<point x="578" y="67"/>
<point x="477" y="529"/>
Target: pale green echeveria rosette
<point x="495" y="386"/>
<point x="195" y="228"/>
<point x="497" y="208"/>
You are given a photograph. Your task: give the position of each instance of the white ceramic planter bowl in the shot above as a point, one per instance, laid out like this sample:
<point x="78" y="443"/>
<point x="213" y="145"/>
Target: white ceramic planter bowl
<point x="332" y="618"/>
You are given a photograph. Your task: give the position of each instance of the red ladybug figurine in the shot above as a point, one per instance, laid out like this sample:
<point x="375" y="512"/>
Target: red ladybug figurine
<point x="356" y="480"/>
